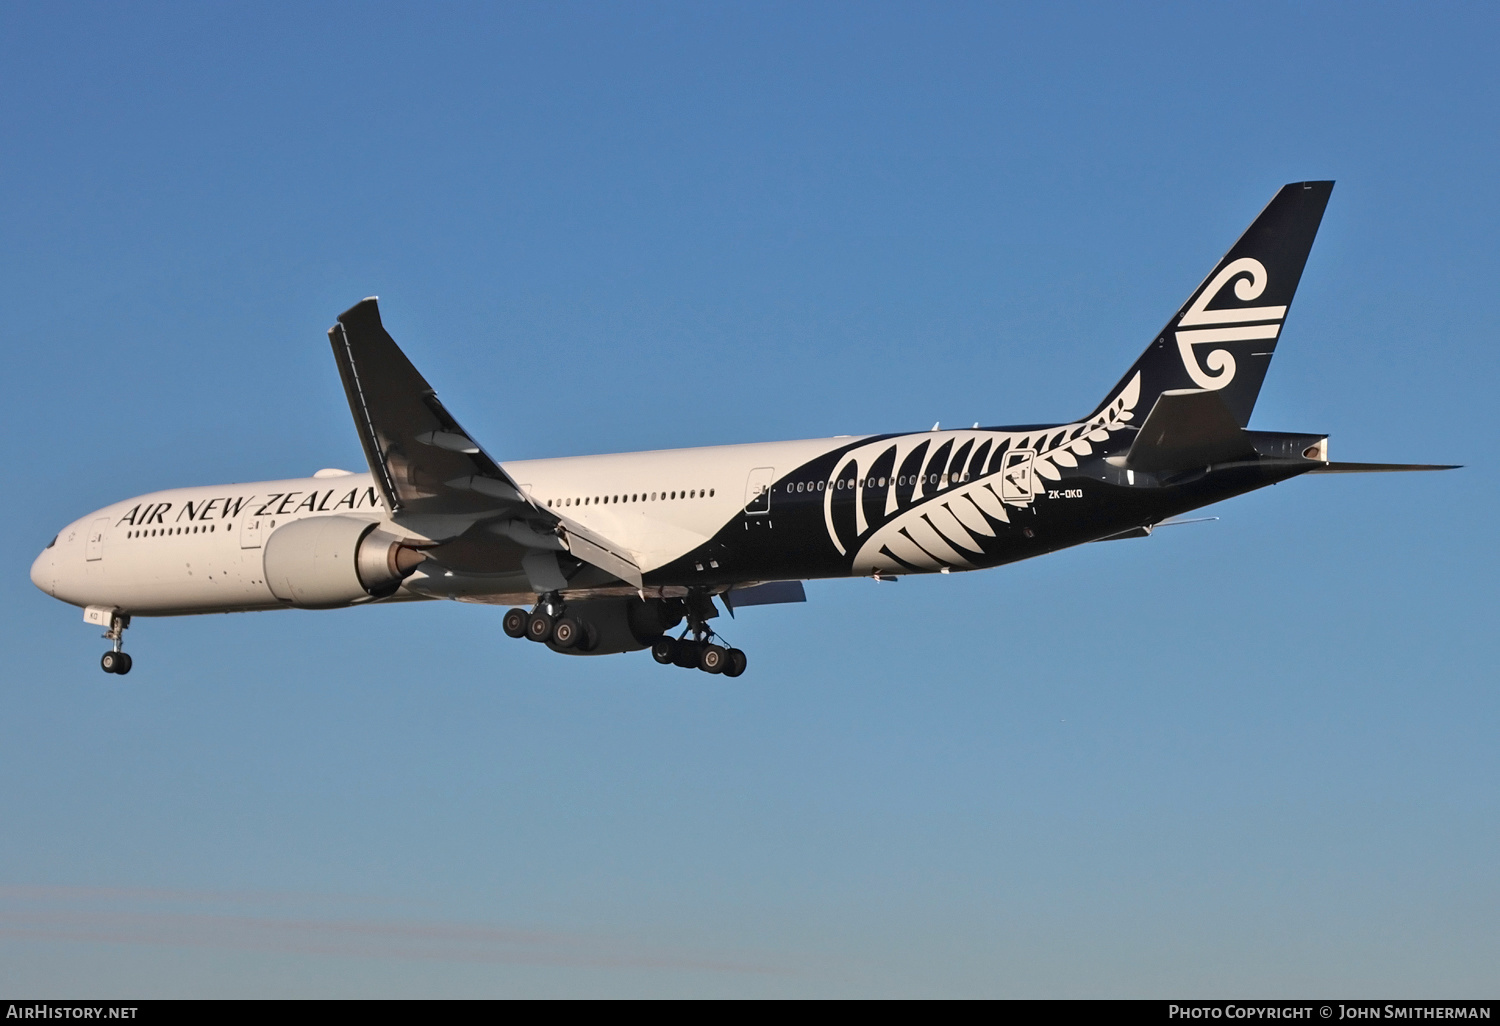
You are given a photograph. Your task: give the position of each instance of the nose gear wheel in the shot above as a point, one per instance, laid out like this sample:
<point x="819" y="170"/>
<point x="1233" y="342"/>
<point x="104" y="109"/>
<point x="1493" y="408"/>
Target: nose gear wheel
<point x="117" y="660"/>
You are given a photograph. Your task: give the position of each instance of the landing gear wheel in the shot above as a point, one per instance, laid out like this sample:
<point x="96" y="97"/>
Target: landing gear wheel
<point x="115" y="662"/>
<point x="567" y="632"/>
<point x="539" y="627"/>
<point x="734" y="662"/>
<point x="125" y="663"/>
<point x="514" y="623"/>
<point x="590" y="639"/>
<point x="712" y="659"/>
<point x="686" y="655"/>
<point x="664" y="650"/>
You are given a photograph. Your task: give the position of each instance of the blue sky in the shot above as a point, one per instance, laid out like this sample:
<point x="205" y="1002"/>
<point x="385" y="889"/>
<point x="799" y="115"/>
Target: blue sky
<point x="1249" y="757"/>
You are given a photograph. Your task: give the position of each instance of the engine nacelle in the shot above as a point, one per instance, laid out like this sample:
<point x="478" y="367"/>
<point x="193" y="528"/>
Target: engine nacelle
<point x="326" y="562"/>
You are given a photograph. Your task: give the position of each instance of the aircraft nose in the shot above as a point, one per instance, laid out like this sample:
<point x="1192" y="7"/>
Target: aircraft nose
<point x="43" y="574"/>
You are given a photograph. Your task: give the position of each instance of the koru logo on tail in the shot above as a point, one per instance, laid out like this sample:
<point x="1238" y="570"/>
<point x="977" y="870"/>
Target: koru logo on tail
<point x="1231" y="325"/>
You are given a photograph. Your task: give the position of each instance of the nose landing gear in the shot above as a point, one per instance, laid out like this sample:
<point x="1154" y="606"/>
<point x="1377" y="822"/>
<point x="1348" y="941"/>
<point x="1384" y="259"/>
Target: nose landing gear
<point x="116" y="660"/>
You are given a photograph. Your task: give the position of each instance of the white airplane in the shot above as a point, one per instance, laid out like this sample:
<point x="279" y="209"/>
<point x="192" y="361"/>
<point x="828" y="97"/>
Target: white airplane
<point x="611" y="553"/>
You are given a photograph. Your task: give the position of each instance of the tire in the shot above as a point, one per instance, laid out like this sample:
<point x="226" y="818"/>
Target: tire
<point x="735" y="662"/>
<point x="687" y="654"/>
<point x="590" y="639"/>
<point x="664" y="650"/>
<point x="539" y="627"/>
<point x="712" y="659"/>
<point x="566" y="632"/>
<point x="125" y="664"/>
<point x="110" y="662"/>
<point x="514" y="623"/>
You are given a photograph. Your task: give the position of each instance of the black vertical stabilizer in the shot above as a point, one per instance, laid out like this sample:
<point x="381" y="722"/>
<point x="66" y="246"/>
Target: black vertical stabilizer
<point x="1224" y="336"/>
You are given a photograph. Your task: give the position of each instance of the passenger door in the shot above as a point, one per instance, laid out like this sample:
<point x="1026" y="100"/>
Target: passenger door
<point x="95" y="542"/>
<point x="1016" y="483"/>
<point x="758" y="491"/>
<point x="250" y="533"/>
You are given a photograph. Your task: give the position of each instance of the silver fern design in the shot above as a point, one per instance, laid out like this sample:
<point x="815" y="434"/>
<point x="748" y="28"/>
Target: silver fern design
<point x="926" y="503"/>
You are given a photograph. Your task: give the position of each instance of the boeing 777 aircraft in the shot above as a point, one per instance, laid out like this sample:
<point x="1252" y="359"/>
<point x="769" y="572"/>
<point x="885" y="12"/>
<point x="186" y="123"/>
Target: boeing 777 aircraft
<point x="612" y="553"/>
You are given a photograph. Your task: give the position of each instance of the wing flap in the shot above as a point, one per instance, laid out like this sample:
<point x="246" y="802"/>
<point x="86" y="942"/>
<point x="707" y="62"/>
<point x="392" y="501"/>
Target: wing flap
<point x="769" y="594"/>
<point x="592" y="547"/>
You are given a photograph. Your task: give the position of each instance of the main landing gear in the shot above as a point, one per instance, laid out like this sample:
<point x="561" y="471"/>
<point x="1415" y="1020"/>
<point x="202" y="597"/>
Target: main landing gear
<point x="550" y="624"/>
<point x="698" y="652"/>
<point x="625" y="626"/>
<point x="116" y="660"/>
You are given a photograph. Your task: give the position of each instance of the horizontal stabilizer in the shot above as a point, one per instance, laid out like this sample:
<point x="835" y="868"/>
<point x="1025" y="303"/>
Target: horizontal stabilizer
<point x="1379" y="468"/>
<point x="1144" y="531"/>
<point x="1186" y="429"/>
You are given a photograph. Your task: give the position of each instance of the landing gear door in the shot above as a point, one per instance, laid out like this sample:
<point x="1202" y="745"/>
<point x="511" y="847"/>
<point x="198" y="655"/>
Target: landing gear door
<point x="758" y="491"/>
<point x="250" y="533"/>
<point x="1017" y="482"/>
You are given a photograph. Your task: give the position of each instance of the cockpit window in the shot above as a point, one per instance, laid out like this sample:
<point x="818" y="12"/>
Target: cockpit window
<point x="52" y="542"/>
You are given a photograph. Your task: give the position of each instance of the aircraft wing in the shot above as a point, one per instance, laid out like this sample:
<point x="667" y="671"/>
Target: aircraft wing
<point x="426" y="465"/>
